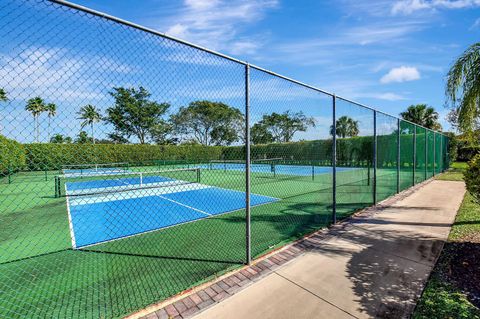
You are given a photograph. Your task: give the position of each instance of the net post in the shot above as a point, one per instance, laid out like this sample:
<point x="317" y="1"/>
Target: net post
<point x="57" y="187"/>
<point x="374" y="157"/>
<point x="398" y="155"/>
<point x="46" y="176"/>
<point x="141" y="179"/>
<point x="248" y="252"/>
<point x="198" y="174"/>
<point x="414" y="152"/>
<point x="334" y="160"/>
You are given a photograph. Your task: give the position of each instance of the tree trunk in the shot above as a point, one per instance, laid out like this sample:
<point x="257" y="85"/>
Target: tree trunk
<point x="36" y="127"/>
<point x="93" y="136"/>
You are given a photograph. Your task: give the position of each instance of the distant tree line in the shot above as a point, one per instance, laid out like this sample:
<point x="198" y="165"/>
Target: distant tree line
<point x="135" y="114"/>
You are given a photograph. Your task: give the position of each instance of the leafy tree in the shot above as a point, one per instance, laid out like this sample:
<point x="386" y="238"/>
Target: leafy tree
<point x="117" y="139"/>
<point x="161" y="134"/>
<point x="35" y="106"/>
<point x="51" y="110"/>
<point x="463" y="87"/>
<point x="3" y="95"/>
<point x="280" y="128"/>
<point x="60" y="139"/>
<point x="82" y="138"/>
<point x="90" y="115"/>
<point x="423" y="115"/>
<point x="260" y="134"/>
<point x="209" y="123"/>
<point x="345" y="127"/>
<point x="134" y="114"/>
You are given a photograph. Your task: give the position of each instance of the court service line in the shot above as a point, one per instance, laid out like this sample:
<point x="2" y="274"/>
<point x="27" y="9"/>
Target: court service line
<point x="190" y="207"/>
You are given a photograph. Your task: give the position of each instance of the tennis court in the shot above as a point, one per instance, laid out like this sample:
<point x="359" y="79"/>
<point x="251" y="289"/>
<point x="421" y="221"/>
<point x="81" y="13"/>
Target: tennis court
<point x="97" y="211"/>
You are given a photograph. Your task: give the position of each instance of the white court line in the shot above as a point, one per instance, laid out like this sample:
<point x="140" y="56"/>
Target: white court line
<point x="190" y="207"/>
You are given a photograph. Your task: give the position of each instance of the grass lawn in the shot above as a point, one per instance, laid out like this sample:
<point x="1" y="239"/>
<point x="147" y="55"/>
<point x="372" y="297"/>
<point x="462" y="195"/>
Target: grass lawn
<point x="455" y="173"/>
<point x="454" y="285"/>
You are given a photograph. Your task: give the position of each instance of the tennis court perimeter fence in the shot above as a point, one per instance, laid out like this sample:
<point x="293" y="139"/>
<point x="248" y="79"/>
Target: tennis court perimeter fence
<point x="135" y="165"/>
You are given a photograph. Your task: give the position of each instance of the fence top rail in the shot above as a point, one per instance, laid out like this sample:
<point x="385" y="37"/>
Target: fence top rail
<point x="195" y="46"/>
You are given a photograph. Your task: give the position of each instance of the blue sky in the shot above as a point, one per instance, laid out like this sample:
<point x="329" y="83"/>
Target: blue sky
<point x="387" y="54"/>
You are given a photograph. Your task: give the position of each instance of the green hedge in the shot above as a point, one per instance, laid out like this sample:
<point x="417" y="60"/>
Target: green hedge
<point x="12" y="156"/>
<point x="357" y="151"/>
<point x="49" y="156"/>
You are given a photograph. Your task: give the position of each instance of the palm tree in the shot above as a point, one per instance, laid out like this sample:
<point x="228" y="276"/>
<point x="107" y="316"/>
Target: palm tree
<point x="423" y="115"/>
<point x="3" y="95"/>
<point x="52" y="111"/>
<point x="345" y="126"/>
<point x="3" y="98"/>
<point x="35" y="106"/>
<point x="90" y="115"/>
<point x="463" y="88"/>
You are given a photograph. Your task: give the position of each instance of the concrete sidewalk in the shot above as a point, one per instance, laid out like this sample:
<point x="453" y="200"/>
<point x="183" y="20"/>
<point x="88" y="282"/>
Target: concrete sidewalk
<point x="376" y="265"/>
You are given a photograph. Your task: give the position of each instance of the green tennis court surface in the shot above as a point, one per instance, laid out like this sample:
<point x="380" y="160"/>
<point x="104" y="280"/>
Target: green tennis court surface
<point x="102" y="279"/>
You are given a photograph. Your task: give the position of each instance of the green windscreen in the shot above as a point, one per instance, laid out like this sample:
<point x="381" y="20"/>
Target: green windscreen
<point x="420" y="155"/>
<point x="387" y="149"/>
<point x="430" y="153"/>
<point x="438" y="153"/>
<point x="354" y="131"/>
<point x="446" y="156"/>
<point x="406" y="154"/>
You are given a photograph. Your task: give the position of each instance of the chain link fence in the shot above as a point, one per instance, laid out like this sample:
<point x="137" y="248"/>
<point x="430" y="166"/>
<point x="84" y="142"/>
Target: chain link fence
<point x="134" y="166"/>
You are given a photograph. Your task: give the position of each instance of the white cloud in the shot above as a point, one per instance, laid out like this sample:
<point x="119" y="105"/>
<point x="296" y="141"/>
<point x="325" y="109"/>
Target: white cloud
<point x="216" y="24"/>
<point x="475" y="24"/>
<point x="201" y="4"/>
<point x="407" y="7"/>
<point x="401" y="74"/>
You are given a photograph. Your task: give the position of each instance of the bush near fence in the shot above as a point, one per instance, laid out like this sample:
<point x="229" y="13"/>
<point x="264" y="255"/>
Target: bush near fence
<point x="50" y="156"/>
<point x="353" y="151"/>
<point x="12" y="156"/>
<point x="466" y="153"/>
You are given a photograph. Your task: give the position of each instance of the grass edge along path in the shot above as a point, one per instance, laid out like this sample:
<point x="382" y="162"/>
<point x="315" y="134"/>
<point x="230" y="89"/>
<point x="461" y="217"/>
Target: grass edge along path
<point x="443" y="296"/>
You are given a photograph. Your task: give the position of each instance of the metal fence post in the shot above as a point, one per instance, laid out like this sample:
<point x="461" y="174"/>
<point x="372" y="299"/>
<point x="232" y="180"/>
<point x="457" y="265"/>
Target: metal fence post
<point x="374" y="157"/>
<point x="414" y="153"/>
<point x="334" y="161"/>
<point x="426" y="153"/>
<point x="398" y="156"/>
<point x="434" y="151"/>
<point x="247" y="166"/>
<point x="442" y="155"/>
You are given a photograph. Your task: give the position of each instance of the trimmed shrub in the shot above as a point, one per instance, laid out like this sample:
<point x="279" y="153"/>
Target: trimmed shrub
<point x="12" y="156"/>
<point x="472" y="177"/>
<point x="50" y="156"/>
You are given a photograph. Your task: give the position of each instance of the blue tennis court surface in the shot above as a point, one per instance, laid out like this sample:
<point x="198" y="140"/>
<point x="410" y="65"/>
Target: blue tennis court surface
<point x="93" y="172"/>
<point x="98" y="219"/>
<point x="117" y="183"/>
<point x="297" y="170"/>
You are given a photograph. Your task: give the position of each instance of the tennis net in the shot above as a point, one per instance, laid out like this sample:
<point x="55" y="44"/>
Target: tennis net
<point x="99" y="184"/>
<point x="268" y="163"/>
